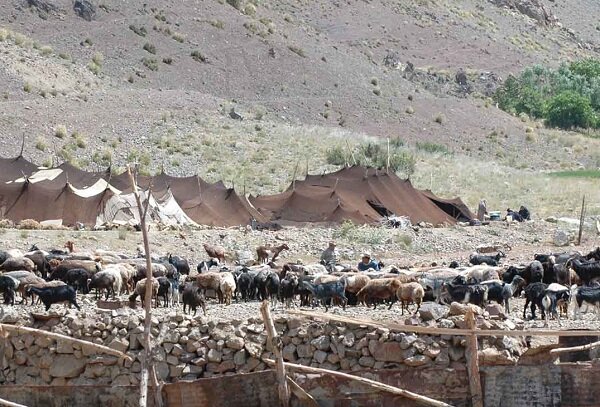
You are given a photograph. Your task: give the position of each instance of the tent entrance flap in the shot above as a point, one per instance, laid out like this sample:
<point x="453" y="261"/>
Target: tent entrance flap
<point x="379" y="208"/>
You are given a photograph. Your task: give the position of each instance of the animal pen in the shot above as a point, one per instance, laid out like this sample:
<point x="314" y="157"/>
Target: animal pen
<point x="546" y="375"/>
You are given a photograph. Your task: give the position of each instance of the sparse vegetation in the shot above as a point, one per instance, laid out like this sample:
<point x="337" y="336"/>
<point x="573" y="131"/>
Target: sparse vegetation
<point x="40" y="144"/>
<point x="198" y="56"/>
<point x="150" y="48"/>
<point x="362" y="234"/>
<point x="297" y="50"/>
<point x="410" y="110"/>
<point x="167" y="60"/>
<point x="60" y="131"/>
<point x="178" y="37"/>
<point x="27" y="87"/>
<point x="439" y="118"/>
<point x="220" y="24"/>
<point x="432" y="147"/>
<point x="141" y="30"/>
<point x="150" y="63"/>
<point x="237" y="4"/>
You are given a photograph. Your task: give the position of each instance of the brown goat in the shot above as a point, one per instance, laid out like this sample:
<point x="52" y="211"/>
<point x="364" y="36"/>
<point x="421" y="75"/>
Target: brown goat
<point x="216" y="252"/>
<point x="410" y="292"/>
<point x="140" y="289"/>
<point x="380" y="289"/>
<point x="263" y="252"/>
<point x="25" y="278"/>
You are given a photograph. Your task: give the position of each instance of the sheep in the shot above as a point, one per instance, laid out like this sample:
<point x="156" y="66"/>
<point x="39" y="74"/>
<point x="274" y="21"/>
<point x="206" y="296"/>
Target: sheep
<point x="38" y="257"/>
<point x="263" y="252"/>
<point x="217" y="252"/>
<point x="380" y="289"/>
<point x="140" y="289"/>
<point x="410" y="292"/>
<point x="210" y="281"/>
<point x="109" y="280"/>
<point x="476" y="274"/>
<point x="355" y="282"/>
<point x="227" y="287"/>
<point x="313" y="269"/>
<point x="59" y="269"/>
<point x="18" y="263"/>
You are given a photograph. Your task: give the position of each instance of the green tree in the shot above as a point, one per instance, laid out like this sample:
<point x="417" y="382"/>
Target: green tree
<point x="569" y="109"/>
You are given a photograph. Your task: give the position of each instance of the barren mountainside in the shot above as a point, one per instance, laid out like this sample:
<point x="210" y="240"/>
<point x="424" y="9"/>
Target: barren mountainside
<point x="102" y="80"/>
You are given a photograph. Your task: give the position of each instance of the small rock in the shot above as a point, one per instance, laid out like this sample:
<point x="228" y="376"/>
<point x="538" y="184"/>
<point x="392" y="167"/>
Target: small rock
<point x="431" y="311"/>
<point x="417" y="360"/>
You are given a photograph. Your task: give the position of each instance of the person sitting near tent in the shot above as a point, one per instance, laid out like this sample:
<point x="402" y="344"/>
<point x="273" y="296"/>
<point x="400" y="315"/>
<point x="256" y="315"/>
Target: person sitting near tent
<point x="482" y="210"/>
<point x="366" y="263"/>
<point x="524" y="212"/>
<point x="329" y="256"/>
<point x="515" y="216"/>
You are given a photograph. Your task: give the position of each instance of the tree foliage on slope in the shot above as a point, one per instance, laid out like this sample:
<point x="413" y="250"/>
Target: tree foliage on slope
<point x="566" y="97"/>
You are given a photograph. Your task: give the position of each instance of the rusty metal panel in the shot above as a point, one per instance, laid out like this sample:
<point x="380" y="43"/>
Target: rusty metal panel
<point x="242" y="390"/>
<point x="73" y="396"/>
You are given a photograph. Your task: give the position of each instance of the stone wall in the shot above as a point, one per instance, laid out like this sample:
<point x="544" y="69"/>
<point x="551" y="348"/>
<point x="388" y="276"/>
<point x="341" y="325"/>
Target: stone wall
<point x="192" y="348"/>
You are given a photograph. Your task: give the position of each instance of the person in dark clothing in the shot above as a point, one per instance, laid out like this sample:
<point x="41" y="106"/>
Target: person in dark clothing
<point x="515" y="215"/>
<point x="524" y="212"/>
<point x="366" y="263"/>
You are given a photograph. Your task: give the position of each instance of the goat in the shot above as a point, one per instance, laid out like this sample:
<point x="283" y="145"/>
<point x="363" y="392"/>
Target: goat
<point x="327" y="291"/>
<point x="476" y="259"/>
<point x="263" y="252"/>
<point x="589" y="295"/>
<point x="53" y="295"/>
<point x="192" y="297"/>
<point x="556" y="296"/>
<point x="379" y="289"/>
<point x="207" y="265"/>
<point x="227" y="287"/>
<point x="217" y="252"/>
<point x="18" y="263"/>
<point x="140" y="289"/>
<point x="8" y="286"/>
<point x="585" y="271"/>
<point x="501" y="292"/>
<point x="534" y="294"/>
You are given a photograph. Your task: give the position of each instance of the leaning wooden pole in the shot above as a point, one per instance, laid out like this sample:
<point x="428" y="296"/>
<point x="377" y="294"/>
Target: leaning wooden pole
<point x="371" y="383"/>
<point x="473" y="363"/>
<point x="575" y="348"/>
<point x="53" y="335"/>
<point x="302" y="395"/>
<point x="276" y="344"/>
<point x="10" y="403"/>
<point x="147" y="354"/>
<point x="581" y="221"/>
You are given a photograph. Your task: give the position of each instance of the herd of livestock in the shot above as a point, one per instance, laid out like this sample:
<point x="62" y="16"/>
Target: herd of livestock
<point x="548" y="282"/>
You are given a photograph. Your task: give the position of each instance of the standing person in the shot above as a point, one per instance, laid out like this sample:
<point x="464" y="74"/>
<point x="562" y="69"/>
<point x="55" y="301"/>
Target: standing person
<point x="329" y="256"/>
<point x="482" y="210"/>
<point x="366" y="263"/>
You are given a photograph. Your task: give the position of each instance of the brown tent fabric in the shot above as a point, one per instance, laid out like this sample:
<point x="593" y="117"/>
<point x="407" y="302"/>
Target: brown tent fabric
<point x="13" y="168"/>
<point x="359" y="194"/>
<point x="454" y="207"/>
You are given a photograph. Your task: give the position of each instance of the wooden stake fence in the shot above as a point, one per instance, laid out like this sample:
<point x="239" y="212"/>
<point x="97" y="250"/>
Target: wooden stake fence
<point x="472" y="357"/>
<point x="277" y="345"/>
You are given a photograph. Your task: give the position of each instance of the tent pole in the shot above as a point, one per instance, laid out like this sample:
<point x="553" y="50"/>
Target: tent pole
<point x="387" y="168"/>
<point x="294" y="176"/>
<point x="22" y="146"/>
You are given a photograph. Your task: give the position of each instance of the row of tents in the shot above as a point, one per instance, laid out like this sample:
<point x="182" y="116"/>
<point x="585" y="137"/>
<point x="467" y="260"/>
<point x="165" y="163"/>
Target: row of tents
<point x="69" y="196"/>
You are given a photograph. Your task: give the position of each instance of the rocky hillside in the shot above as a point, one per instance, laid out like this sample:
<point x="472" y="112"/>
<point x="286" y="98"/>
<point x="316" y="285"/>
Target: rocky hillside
<point x="157" y="82"/>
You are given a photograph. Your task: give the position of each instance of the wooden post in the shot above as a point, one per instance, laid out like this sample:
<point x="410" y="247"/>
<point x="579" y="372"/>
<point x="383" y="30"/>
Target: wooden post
<point x="372" y="383"/>
<point x="302" y="395"/>
<point x="147" y="365"/>
<point x="387" y="167"/>
<point x="284" y="391"/>
<point x="581" y="219"/>
<point x="575" y="348"/>
<point x="10" y="403"/>
<point x="473" y="363"/>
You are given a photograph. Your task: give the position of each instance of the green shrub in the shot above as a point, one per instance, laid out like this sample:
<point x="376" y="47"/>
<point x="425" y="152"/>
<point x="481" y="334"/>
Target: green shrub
<point x="336" y="156"/>
<point x="60" y="131"/>
<point x="297" y="50"/>
<point x="432" y="147"/>
<point x="167" y="60"/>
<point x="40" y="144"/>
<point x="569" y="109"/>
<point x="141" y="31"/>
<point x="217" y="24"/>
<point x="236" y="3"/>
<point x="178" y="37"/>
<point x="27" y="87"/>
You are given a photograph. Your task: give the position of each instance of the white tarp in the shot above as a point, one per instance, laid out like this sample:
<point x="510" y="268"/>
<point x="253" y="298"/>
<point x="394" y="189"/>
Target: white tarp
<point x="121" y="209"/>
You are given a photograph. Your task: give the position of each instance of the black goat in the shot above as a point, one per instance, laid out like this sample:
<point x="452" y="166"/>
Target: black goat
<point x="585" y="271"/>
<point x="192" y="297"/>
<point x="164" y="290"/>
<point x="287" y="288"/>
<point x="477" y="259"/>
<point x="501" y="292"/>
<point x="181" y="264"/>
<point x="556" y="296"/>
<point x="205" y="265"/>
<point x="589" y="295"/>
<point x="53" y="295"/>
<point x="78" y="279"/>
<point x="327" y="291"/>
<point x="459" y="291"/>
<point x="8" y="286"/>
<point x="244" y="285"/>
<point x="534" y="293"/>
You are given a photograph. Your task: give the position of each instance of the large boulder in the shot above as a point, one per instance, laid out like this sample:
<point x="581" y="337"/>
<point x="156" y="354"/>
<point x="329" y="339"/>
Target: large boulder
<point x="84" y="9"/>
<point x="431" y="311"/>
<point x="67" y="366"/>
